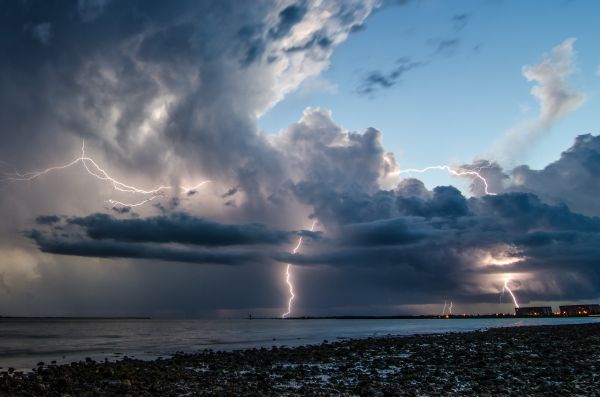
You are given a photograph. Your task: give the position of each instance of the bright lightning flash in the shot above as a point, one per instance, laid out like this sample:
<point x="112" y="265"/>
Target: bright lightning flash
<point x="449" y="309"/>
<point x="98" y="172"/>
<point x="507" y="288"/>
<point x="452" y="171"/>
<point x="288" y="274"/>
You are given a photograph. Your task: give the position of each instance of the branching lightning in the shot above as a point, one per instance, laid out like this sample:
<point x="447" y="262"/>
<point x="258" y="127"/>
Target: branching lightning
<point x="507" y="288"/>
<point x="452" y="171"/>
<point x="288" y="275"/>
<point x="93" y="169"/>
<point x="449" y="308"/>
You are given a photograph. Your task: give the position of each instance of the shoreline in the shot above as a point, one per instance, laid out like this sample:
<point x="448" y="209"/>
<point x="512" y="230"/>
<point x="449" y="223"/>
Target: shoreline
<point x="498" y="361"/>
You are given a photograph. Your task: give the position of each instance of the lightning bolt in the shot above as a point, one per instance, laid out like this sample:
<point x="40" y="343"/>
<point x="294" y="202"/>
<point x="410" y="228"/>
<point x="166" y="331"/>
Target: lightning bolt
<point x="95" y="170"/>
<point x="507" y="288"/>
<point x="288" y="276"/>
<point x="472" y="173"/>
<point x="449" y="309"/>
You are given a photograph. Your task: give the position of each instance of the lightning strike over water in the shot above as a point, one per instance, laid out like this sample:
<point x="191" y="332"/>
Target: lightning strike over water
<point x="449" y="308"/>
<point x="507" y="288"/>
<point x="98" y="172"/>
<point x="452" y="171"/>
<point x="288" y="274"/>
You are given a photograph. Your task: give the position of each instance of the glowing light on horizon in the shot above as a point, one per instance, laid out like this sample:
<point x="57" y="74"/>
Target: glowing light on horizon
<point x="452" y="171"/>
<point x="93" y="169"/>
<point x="288" y="276"/>
<point x="507" y="288"/>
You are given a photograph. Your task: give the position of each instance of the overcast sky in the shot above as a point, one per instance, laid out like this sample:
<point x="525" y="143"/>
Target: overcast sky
<point x="166" y="158"/>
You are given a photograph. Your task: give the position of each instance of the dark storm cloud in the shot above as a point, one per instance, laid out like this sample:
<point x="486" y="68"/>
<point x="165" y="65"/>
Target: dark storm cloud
<point x="386" y="232"/>
<point x="47" y="219"/>
<point x="117" y="249"/>
<point x="439" y="241"/>
<point x="377" y="80"/>
<point x="438" y="248"/>
<point x="176" y="237"/>
<point x="572" y="179"/>
<point x="145" y="82"/>
<point x="178" y="228"/>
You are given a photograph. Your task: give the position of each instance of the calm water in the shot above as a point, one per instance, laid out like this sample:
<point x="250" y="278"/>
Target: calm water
<point x="23" y="343"/>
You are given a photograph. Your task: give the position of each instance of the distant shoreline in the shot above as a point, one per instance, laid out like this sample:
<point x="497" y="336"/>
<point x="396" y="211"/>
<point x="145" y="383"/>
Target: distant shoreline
<point x="419" y="317"/>
<point x="71" y="318"/>
<point x="357" y="317"/>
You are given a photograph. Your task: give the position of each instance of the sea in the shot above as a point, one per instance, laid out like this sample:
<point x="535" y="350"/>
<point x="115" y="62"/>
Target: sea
<point x="26" y="342"/>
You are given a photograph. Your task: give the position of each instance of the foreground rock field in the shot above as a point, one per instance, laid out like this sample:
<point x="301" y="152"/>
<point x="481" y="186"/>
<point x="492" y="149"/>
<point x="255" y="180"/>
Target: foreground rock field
<point x="561" y="360"/>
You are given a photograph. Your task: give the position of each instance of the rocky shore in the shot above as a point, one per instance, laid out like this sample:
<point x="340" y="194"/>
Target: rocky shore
<point x="543" y="360"/>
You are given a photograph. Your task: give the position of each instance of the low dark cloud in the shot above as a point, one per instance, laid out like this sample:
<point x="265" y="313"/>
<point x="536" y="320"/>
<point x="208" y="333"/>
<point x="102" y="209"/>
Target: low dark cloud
<point x="47" y="219"/>
<point x="177" y="237"/>
<point x="179" y="228"/>
<point x="117" y="249"/>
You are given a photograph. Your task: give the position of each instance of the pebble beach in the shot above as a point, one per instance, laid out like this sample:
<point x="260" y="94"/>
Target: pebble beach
<point x="535" y="360"/>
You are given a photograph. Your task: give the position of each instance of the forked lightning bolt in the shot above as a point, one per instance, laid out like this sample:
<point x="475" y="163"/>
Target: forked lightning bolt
<point x="288" y="275"/>
<point x="452" y="171"/>
<point x="507" y="288"/>
<point x="98" y="172"/>
<point x="449" y="308"/>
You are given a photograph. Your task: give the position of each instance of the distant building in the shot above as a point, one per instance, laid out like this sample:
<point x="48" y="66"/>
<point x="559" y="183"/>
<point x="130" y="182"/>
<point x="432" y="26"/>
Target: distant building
<point x="533" y="311"/>
<point x="580" y="310"/>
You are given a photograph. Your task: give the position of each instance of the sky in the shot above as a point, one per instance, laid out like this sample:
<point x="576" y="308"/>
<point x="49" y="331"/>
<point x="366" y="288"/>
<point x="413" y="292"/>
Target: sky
<point x="200" y="159"/>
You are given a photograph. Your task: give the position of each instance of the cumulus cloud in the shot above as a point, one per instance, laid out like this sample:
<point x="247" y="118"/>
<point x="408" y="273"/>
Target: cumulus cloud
<point x="555" y="95"/>
<point x="571" y="180"/>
